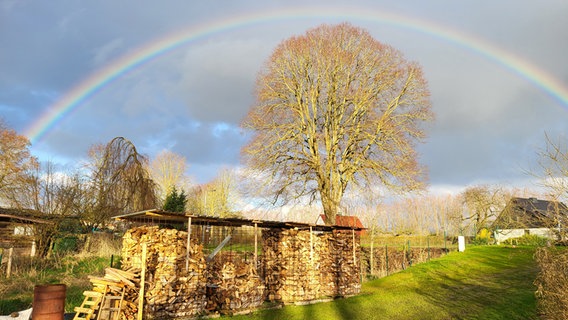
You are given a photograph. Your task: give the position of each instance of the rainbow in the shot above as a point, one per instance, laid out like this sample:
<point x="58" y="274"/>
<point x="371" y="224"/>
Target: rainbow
<point x="136" y="58"/>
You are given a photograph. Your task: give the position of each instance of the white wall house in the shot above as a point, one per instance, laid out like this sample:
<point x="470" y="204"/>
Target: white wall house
<point x="531" y="216"/>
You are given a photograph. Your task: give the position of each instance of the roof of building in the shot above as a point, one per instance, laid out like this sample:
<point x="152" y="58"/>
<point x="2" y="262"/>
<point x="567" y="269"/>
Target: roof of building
<point x="24" y="216"/>
<point x="520" y="213"/>
<point x="165" y="217"/>
<point x="346" y="221"/>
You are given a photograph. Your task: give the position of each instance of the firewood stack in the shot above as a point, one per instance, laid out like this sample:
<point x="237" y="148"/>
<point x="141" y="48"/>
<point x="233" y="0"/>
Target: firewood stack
<point x="112" y="284"/>
<point x="347" y="265"/>
<point x="301" y="266"/>
<point x="233" y="283"/>
<point x="171" y="290"/>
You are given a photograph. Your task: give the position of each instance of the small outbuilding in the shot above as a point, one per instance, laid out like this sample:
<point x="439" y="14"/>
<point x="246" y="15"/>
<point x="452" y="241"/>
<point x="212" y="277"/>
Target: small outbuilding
<point x="531" y="216"/>
<point x="345" y="222"/>
<point x="17" y="230"/>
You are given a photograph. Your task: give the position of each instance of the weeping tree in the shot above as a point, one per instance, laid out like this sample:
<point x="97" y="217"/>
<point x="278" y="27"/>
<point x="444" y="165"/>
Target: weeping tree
<point x="118" y="183"/>
<point x="336" y="107"/>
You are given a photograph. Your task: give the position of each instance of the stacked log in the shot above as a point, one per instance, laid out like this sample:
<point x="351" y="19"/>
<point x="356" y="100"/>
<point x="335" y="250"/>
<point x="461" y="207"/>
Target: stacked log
<point x="300" y="265"/>
<point x="346" y="252"/>
<point x="112" y="284"/>
<point x="174" y="287"/>
<point x="233" y="283"/>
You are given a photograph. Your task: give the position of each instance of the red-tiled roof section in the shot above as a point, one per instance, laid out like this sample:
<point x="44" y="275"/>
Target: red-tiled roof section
<point x="346" y="221"/>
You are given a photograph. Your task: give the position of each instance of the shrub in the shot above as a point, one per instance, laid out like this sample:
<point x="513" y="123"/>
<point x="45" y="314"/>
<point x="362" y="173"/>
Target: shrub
<point x="483" y="237"/>
<point x="528" y="240"/>
<point x="552" y="283"/>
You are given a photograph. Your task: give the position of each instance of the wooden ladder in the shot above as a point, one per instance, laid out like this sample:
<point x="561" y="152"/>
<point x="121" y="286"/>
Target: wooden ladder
<point x="110" y="306"/>
<point x="91" y="303"/>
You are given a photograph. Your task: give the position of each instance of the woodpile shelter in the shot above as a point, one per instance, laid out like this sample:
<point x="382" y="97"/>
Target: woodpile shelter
<point x="194" y="265"/>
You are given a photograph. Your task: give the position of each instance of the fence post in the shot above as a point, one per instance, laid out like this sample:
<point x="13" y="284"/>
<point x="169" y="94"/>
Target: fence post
<point x="387" y="258"/>
<point x="371" y="260"/>
<point x="408" y="255"/>
<point x="428" y="243"/>
<point x="9" y="266"/>
<point x="445" y="245"/>
<point x="33" y="249"/>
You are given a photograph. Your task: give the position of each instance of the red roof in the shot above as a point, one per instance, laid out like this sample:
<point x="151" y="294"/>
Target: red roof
<point x="346" y="221"/>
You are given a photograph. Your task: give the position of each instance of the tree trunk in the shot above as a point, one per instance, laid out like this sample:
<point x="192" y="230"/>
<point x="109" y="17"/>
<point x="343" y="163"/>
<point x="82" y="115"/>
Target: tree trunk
<point x="330" y="212"/>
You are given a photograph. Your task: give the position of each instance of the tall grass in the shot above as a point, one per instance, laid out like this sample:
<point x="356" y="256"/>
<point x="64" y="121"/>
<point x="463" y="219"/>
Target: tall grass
<point x="69" y="268"/>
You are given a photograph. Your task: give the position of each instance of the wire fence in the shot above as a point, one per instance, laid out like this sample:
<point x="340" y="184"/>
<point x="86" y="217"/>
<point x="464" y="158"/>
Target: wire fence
<point x="386" y="254"/>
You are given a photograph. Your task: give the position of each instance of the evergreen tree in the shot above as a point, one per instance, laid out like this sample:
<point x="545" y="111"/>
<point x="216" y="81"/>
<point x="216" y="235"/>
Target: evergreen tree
<point x="175" y="201"/>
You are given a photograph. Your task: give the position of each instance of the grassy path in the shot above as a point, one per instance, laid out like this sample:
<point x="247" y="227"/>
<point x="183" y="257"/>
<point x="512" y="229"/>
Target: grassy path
<point x="482" y="283"/>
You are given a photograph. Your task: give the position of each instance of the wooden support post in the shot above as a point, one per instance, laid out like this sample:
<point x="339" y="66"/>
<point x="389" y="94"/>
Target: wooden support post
<point x="311" y="245"/>
<point x="142" y="281"/>
<point x="255" y="245"/>
<point x="354" y="258"/>
<point x="9" y="266"/>
<point x="188" y="245"/>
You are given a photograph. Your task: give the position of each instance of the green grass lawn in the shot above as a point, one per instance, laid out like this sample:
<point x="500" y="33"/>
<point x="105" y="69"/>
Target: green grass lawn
<point x="488" y="282"/>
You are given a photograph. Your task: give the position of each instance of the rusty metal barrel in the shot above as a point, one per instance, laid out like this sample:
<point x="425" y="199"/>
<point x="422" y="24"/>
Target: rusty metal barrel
<point x="49" y="302"/>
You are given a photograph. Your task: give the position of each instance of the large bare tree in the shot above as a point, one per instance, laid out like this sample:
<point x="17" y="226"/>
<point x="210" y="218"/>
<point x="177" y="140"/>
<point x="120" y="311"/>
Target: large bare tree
<point x="167" y="170"/>
<point x="482" y="203"/>
<point x="553" y="163"/>
<point x="335" y="107"/>
<point x="216" y="198"/>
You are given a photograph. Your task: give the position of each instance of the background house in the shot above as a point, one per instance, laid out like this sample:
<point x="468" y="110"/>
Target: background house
<point x="531" y="216"/>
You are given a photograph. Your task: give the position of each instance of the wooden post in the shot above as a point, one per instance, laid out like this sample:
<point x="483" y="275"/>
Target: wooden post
<point x="255" y="245"/>
<point x="354" y="259"/>
<point x="9" y="266"/>
<point x="311" y="246"/>
<point x="188" y="245"/>
<point x="142" y="282"/>
<point x="33" y="250"/>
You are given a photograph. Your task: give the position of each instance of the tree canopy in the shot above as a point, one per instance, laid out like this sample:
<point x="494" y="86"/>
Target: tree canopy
<point x="16" y="162"/>
<point x="336" y="107"/>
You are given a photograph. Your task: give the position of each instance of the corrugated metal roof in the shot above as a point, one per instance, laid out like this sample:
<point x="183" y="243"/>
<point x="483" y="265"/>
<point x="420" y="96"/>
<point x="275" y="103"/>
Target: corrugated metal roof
<point x="160" y="216"/>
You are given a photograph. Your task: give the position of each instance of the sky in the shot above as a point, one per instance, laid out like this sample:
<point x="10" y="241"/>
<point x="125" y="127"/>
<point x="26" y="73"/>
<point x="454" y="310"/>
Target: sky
<point x="180" y="75"/>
